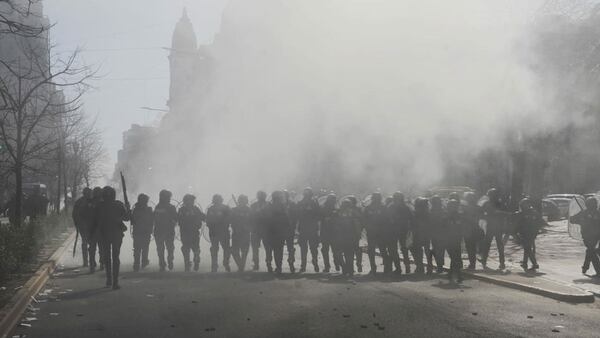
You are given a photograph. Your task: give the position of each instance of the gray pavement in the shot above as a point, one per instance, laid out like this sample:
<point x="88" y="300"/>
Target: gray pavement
<point x="256" y="304"/>
<point x="560" y="258"/>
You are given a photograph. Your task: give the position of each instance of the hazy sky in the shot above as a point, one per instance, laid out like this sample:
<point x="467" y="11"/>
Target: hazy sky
<point x="126" y="38"/>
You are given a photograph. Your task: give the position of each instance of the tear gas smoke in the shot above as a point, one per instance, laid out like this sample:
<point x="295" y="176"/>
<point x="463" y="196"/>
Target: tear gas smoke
<point x="349" y="95"/>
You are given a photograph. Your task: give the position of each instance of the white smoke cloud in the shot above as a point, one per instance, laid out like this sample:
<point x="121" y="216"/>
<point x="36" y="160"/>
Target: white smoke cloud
<point x="354" y="95"/>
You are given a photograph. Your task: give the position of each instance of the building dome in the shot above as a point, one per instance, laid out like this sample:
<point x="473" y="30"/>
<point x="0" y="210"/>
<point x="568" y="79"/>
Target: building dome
<point x="184" y="38"/>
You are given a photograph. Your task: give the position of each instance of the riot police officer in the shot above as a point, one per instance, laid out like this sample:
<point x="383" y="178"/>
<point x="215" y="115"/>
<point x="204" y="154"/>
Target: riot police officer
<point x="290" y="234"/>
<point x="190" y="219"/>
<point x="495" y="219"/>
<point x="528" y="222"/>
<point x="142" y="225"/>
<point x="308" y="214"/>
<point x="436" y="231"/>
<point x="258" y="212"/>
<point x="165" y="219"/>
<point x="109" y="217"/>
<point x="240" y="232"/>
<point x="401" y="219"/>
<point x="452" y="238"/>
<point x="473" y="233"/>
<point x="376" y="220"/>
<point x="82" y="218"/>
<point x="218" y="221"/>
<point x="94" y="235"/>
<point x="327" y="234"/>
<point x="347" y="230"/>
<point x="589" y="220"/>
<point x="421" y="235"/>
<point x="275" y="230"/>
<point x="358" y="251"/>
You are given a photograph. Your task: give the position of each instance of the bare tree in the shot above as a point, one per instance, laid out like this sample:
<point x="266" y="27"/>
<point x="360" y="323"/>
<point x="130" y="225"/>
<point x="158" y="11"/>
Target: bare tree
<point x="83" y="153"/>
<point x="18" y="18"/>
<point x="32" y="104"/>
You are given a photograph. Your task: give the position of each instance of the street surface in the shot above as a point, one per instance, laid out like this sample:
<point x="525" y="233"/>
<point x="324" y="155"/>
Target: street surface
<point x="256" y="304"/>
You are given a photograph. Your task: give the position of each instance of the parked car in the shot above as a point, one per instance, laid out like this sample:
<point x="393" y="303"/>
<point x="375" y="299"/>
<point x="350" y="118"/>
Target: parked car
<point x="550" y="210"/>
<point x="563" y="201"/>
<point x="444" y="192"/>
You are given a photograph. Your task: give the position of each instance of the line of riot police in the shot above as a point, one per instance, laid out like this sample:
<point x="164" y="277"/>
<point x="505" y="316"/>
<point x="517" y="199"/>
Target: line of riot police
<point x="426" y="229"/>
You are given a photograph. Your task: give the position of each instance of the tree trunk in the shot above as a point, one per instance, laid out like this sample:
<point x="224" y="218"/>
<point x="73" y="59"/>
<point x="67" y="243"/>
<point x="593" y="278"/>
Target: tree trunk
<point x="59" y="179"/>
<point x="18" y="194"/>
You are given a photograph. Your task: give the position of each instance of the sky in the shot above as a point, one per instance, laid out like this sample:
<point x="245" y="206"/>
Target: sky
<point x="125" y="39"/>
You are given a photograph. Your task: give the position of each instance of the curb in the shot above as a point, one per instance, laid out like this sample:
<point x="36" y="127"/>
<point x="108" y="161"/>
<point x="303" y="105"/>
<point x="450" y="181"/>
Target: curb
<point x="583" y="297"/>
<point x="12" y="312"/>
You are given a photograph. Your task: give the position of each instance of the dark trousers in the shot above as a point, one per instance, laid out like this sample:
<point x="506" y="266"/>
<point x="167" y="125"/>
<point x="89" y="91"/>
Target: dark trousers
<point x="306" y="240"/>
<point x="274" y="250"/>
<point x="255" y="240"/>
<point x="291" y="249"/>
<point x="112" y="263"/>
<point x="402" y="238"/>
<point x="141" y="244"/>
<point x="190" y="242"/>
<point x="348" y="251"/>
<point x="487" y="243"/>
<point x="327" y="245"/>
<point x="435" y="249"/>
<point x="373" y="244"/>
<point x="529" y="252"/>
<point x="85" y="247"/>
<point x="358" y="253"/>
<point x="240" y="245"/>
<point x="390" y="246"/>
<point x="417" y="252"/>
<point x="471" y="243"/>
<point x="165" y="241"/>
<point x="455" y="253"/>
<point x="591" y="254"/>
<point x="221" y="239"/>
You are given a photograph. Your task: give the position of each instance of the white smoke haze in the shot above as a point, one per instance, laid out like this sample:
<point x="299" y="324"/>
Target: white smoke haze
<point x="352" y="95"/>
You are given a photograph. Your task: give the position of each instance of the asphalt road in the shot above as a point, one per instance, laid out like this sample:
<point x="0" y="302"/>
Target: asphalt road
<point x="256" y="304"/>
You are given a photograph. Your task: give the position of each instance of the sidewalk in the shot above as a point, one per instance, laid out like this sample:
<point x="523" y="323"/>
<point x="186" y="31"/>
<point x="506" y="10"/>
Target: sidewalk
<point x="559" y="257"/>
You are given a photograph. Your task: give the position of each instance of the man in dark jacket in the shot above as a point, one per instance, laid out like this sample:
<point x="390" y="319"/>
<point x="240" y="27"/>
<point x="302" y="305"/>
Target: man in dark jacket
<point x="241" y="222"/>
<point x="142" y="225"/>
<point x="108" y="220"/>
<point x="190" y="219"/>
<point x="83" y="215"/>
<point x="218" y="219"/>
<point x="165" y="219"/>
<point x="308" y="213"/>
